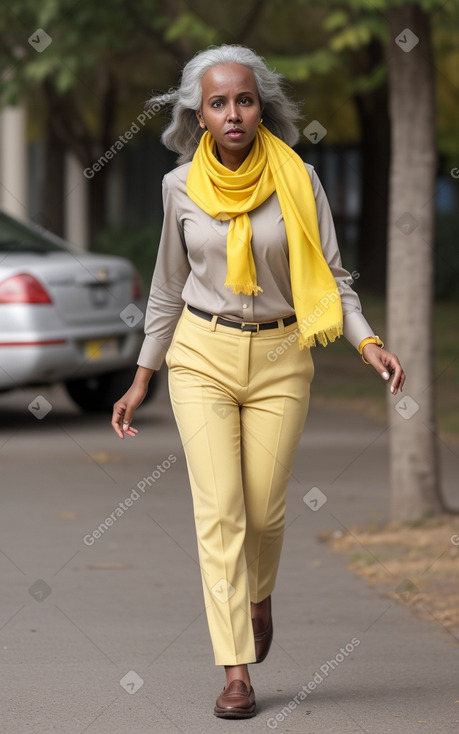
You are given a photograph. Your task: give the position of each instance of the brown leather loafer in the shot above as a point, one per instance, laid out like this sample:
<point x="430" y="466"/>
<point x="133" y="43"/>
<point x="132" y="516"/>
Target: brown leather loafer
<point x="263" y="636"/>
<point x="236" y="701"/>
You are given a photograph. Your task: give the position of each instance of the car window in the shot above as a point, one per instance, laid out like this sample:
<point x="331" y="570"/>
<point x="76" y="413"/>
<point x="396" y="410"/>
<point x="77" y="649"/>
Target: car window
<point x="18" y="237"/>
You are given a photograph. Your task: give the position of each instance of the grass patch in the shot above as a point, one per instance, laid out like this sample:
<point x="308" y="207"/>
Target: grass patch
<point x="412" y="563"/>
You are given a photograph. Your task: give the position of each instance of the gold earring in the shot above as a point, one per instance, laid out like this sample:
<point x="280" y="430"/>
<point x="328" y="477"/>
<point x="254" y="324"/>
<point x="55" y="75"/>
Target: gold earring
<point x="261" y="120"/>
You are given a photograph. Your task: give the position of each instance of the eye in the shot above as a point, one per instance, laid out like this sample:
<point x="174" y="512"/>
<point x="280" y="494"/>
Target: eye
<point x="245" y="100"/>
<point x="217" y="103"/>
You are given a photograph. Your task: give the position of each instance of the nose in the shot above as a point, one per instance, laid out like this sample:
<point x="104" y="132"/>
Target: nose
<point x="233" y="112"/>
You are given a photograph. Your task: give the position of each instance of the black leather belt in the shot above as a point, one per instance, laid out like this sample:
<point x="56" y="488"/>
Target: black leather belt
<point x="243" y="325"/>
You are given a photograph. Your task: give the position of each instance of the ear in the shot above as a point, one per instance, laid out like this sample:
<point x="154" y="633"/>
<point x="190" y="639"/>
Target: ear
<point x="200" y="119"/>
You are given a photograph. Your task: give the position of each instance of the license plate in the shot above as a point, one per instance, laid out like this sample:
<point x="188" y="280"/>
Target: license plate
<point x="101" y="349"/>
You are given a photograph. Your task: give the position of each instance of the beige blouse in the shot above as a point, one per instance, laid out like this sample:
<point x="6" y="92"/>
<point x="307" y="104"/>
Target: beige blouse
<point x="191" y="268"/>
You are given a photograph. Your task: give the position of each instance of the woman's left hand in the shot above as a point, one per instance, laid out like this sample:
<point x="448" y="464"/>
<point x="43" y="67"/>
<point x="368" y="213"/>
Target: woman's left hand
<point x="386" y="364"/>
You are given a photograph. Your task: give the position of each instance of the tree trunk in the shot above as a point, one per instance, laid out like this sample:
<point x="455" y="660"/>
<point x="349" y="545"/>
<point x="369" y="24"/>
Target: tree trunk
<point x="52" y="216"/>
<point x="99" y="183"/>
<point x="98" y="203"/>
<point x="413" y="445"/>
<point x="373" y="112"/>
<point x="70" y="132"/>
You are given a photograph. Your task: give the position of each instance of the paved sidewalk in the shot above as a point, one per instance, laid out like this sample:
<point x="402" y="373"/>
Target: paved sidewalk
<point x="81" y="613"/>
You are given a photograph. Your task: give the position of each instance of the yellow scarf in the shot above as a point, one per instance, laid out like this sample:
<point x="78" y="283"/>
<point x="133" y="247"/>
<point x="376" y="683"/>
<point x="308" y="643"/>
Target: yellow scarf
<point x="224" y="194"/>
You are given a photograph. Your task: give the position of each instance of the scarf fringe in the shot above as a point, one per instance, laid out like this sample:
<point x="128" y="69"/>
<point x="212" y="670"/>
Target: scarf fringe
<point x="248" y="289"/>
<point x="323" y="337"/>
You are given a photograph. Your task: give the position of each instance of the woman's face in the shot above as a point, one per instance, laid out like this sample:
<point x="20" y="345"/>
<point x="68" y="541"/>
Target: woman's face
<point x="230" y="111"/>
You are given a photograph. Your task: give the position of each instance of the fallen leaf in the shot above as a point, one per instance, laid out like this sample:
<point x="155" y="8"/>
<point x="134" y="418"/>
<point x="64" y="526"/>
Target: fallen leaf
<point x="104" y="457"/>
<point x="68" y="516"/>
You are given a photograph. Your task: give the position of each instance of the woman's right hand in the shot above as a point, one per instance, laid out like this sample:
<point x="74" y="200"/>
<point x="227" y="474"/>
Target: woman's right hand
<point x="124" y="408"/>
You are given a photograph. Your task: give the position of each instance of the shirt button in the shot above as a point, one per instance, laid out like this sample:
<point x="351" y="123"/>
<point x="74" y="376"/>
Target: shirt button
<point x="244" y="305"/>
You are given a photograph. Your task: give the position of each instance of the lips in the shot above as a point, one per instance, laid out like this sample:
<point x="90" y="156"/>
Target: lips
<point x="234" y="133"/>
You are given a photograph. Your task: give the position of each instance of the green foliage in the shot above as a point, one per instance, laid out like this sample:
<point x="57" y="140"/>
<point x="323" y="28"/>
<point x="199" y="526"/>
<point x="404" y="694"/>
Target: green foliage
<point x="134" y="43"/>
<point x="335" y="20"/>
<point x="340" y="50"/>
<point x="365" y="83"/>
<point x="190" y="26"/>
<point x="300" y="68"/>
<point x="319" y="45"/>
<point x="354" y="35"/>
<point x="86" y="36"/>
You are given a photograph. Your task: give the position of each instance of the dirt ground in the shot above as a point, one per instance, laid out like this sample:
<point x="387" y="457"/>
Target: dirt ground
<point x="415" y="564"/>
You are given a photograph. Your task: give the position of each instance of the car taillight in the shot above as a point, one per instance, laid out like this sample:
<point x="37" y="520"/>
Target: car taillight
<point x="137" y="288"/>
<point x="23" y="288"/>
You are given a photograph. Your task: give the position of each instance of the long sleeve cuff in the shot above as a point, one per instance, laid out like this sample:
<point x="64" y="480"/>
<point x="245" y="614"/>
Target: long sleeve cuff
<point x="153" y="352"/>
<point x="356" y="328"/>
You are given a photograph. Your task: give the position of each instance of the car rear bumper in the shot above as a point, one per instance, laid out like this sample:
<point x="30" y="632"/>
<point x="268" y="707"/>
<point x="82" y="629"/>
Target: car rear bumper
<point x="62" y="357"/>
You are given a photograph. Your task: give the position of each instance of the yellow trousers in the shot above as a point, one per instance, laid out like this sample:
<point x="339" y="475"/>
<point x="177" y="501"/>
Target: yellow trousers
<point x="240" y="400"/>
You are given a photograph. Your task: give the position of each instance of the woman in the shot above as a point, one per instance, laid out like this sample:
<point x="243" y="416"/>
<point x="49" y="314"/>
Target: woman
<point x="248" y="245"/>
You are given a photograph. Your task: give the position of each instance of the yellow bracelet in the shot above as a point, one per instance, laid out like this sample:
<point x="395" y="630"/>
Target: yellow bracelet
<point x="369" y="340"/>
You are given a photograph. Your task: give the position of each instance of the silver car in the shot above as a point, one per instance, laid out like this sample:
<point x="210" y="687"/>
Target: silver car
<point x="66" y="316"/>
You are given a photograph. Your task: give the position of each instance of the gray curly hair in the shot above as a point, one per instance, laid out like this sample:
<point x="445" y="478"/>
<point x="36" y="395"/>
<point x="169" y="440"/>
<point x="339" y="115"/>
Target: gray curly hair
<point x="183" y="133"/>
